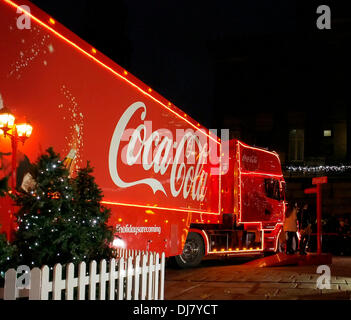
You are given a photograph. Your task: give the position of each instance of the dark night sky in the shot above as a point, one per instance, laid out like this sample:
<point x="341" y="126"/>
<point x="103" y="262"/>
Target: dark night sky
<point x="221" y="59"/>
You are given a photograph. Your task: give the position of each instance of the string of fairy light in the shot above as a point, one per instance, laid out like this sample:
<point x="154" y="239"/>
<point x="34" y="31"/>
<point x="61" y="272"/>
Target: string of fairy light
<point x="318" y="169"/>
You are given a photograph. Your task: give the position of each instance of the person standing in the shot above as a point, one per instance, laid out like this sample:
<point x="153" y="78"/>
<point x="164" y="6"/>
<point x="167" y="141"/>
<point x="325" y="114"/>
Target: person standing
<point x="305" y="226"/>
<point x="290" y="227"/>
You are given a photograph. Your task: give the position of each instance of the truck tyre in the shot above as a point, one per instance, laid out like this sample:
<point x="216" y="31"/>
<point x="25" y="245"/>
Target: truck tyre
<point x="193" y="251"/>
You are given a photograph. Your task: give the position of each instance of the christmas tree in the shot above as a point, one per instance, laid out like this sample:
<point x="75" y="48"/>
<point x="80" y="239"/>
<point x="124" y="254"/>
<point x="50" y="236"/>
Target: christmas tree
<point x="59" y="220"/>
<point x="91" y="216"/>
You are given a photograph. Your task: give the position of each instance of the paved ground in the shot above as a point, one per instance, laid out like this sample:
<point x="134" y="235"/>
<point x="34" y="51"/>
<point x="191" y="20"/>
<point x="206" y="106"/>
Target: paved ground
<point x="231" y="280"/>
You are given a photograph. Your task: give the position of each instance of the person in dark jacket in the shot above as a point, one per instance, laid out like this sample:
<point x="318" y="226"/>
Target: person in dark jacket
<point x="290" y="227"/>
<point x="305" y="228"/>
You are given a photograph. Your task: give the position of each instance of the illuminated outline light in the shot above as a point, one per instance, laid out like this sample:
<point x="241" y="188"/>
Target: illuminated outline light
<point x="232" y="251"/>
<point x="129" y="82"/>
<point x="159" y="208"/>
<point x="239" y="144"/>
<point x="106" y="67"/>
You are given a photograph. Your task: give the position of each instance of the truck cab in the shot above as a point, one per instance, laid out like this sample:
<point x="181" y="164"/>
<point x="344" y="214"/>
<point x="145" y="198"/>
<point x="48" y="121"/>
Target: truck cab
<point x="252" y="208"/>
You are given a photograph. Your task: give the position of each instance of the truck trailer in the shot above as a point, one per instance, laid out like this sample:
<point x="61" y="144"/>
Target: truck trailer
<point x="172" y="185"/>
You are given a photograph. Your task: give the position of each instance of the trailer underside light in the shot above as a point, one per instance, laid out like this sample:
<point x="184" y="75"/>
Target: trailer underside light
<point x="237" y="250"/>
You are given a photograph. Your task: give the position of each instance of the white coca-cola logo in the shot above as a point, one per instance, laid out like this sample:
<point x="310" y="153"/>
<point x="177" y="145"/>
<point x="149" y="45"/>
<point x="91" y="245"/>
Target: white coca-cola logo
<point x="250" y="159"/>
<point x="154" y="150"/>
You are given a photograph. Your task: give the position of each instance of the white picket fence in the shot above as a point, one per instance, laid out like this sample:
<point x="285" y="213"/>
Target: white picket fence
<point x="133" y="275"/>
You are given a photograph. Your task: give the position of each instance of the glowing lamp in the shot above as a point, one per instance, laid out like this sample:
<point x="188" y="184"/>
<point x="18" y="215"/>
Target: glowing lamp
<point x="118" y="243"/>
<point x="7" y="120"/>
<point x="24" y="131"/>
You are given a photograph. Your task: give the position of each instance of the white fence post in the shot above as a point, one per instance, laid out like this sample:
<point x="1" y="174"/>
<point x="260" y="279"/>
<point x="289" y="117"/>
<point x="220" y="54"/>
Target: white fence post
<point x="150" y="277"/>
<point x="162" y="276"/>
<point x="35" y="284"/>
<point x="103" y="279"/>
<point x="137" y="272"/>
<point x="83" y="280"/>
<point x="58" y="284"/>
<point x="70" y="283"/>
<point x="10" y="290"/>
<point x="144" y="277"/>
<point x="46" y="285"/>
<point x="120" y="282"/>
<point x="112" y="279"/>
<point x="93" y="279"/>
<point x="129" y="275"/>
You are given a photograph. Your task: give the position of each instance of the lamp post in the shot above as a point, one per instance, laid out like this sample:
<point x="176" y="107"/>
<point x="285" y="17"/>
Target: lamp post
<point x="17" y="133"/>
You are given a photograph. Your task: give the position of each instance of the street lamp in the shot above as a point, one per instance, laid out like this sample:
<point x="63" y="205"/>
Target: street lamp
<point x="7" y="121"/>
<point x="16" y="132"/>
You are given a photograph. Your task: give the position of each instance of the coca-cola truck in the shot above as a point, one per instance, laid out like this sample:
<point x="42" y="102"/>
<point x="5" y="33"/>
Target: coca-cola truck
<point x="172" y="185"/>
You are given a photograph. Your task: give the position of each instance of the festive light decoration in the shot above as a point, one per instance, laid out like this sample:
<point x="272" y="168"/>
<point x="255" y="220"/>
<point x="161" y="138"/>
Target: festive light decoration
<point x="316" y="169"/>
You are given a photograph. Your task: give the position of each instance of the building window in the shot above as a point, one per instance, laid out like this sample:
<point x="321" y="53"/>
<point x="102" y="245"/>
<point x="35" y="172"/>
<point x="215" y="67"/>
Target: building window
<point x="327" y="133"/>
<point x="296" y="144"/>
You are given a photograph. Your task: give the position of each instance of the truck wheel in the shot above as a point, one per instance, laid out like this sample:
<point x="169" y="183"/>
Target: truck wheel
<point x="193" y="251"/>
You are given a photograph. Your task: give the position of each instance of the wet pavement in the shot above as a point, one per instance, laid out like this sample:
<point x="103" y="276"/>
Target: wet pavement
<point x="232" y="280"/>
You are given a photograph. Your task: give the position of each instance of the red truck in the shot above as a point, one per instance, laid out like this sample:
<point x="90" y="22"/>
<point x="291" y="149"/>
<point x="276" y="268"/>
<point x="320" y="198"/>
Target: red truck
<point x="171" y="184"/>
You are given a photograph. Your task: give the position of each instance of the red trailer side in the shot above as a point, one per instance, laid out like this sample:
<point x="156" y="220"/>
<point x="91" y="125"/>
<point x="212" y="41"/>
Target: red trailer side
<point x="149" y="156"/>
